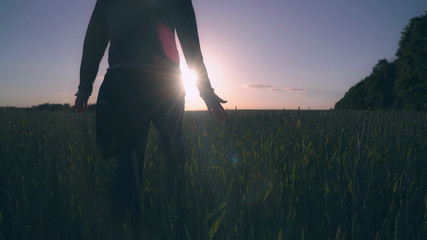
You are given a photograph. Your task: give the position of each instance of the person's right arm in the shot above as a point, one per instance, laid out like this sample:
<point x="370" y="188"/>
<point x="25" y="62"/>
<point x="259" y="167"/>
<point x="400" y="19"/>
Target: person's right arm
<point x="95" y="43"/>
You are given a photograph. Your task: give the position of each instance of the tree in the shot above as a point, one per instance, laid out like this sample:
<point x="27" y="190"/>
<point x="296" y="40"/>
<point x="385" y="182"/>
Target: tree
<point x="411" y="83"/>
<point x="375" y="92"/>
<point x="401" y="84"/>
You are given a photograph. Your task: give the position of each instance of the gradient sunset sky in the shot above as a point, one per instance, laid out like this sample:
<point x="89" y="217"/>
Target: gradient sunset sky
<point x="260" y="54"/>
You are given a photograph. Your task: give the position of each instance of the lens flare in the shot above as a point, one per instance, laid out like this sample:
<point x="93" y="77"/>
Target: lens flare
<point x="189" y="78"/>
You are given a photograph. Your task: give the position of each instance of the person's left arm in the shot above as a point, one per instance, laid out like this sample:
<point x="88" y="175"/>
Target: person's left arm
<point x="186" y="28"/>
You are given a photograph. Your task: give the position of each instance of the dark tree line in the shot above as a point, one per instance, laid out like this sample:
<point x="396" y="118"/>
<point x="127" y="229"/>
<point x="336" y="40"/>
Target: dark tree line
<point x="58" y="107"/>
<point x="52" y="107"/>
<point x="400" y="84"/>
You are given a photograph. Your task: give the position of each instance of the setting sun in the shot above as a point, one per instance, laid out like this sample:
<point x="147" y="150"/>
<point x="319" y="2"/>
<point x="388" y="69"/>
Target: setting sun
<point x="189" y="78"/>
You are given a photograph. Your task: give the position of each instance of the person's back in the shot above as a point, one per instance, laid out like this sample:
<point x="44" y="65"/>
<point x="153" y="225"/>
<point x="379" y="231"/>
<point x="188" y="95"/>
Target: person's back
<point x="142" y="33"/>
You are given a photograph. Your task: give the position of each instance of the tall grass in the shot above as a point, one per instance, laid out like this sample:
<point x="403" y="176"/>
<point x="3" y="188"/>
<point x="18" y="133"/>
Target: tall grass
<point x="261" y="175"/>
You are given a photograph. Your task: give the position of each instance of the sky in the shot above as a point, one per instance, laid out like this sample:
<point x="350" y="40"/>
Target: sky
<point x="269" y="54"/>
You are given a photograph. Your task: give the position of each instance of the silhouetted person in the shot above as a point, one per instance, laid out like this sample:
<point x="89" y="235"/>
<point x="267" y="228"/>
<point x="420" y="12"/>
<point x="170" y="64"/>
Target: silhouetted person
<point x="142" y="86"/>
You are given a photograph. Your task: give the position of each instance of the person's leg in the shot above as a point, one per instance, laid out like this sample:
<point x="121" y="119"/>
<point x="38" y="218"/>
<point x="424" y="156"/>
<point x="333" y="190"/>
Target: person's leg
<point x="125" y="129"/>
<point x="136" y="208"/>
<point x="170" y="126"/>
<point x="126" y="192"/>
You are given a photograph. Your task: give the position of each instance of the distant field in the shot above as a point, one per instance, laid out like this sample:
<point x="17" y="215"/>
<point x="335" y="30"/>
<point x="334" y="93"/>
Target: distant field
<point x="260" y="175"/>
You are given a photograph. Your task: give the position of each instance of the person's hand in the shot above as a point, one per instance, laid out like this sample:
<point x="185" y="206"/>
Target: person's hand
<point x="81" y="101"/>
<point x="213" y="102"/>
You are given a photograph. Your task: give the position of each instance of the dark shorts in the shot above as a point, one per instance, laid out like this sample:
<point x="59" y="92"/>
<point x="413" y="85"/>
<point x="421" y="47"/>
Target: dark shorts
<point x="129" y="99"/>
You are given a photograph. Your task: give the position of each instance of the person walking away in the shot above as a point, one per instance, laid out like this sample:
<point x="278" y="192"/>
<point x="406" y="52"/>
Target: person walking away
<point x="142" y="86"/>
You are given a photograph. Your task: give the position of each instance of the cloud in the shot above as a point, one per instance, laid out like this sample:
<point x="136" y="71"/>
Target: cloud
<point x="258" y="85"/>
<point x="298" y="91"/>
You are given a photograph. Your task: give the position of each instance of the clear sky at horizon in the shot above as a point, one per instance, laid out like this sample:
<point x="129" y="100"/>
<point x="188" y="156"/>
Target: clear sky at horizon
<point x="269" y="54"/>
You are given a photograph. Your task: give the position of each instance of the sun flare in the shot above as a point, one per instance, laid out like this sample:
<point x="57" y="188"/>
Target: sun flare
<point x="189" y="78"/>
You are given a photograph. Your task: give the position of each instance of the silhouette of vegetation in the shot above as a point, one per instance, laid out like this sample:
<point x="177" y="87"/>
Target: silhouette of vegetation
<point x="58" y="107"/>
<point x="52" y="107"/>
<point x="400" y="84"/>
<point x="260" y="175"/>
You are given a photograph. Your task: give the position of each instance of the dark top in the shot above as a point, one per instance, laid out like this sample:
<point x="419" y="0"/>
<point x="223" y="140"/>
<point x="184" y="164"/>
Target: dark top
<point x="141" y="33"/>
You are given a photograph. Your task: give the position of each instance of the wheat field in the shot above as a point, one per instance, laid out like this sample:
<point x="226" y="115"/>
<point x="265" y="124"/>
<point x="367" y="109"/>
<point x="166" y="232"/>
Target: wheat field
<point x="260" y="175"/>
